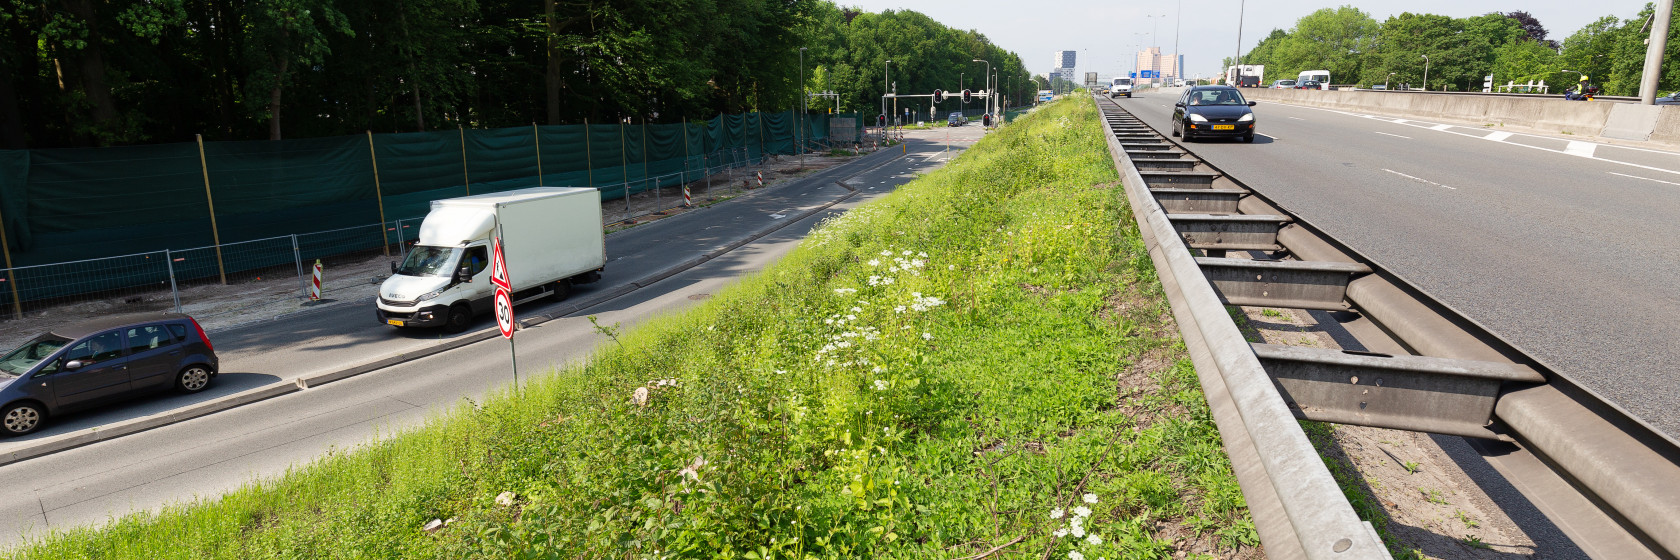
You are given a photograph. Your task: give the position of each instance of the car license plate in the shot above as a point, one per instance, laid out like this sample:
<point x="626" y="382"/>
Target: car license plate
<point x="394" y="322"/>
<point x="1224" y="127"/>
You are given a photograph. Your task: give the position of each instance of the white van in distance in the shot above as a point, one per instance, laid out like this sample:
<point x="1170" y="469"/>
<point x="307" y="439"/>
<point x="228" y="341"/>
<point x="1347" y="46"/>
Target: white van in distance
<point x="551" y="238"/>
<point x="1119" y="87"/>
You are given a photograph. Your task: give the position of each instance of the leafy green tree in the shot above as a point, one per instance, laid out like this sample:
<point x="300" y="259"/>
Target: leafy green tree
<point x="1328" y="39"/>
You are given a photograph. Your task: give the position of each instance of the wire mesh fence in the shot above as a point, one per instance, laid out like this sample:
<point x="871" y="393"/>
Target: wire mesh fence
<point x="273" y="275"/>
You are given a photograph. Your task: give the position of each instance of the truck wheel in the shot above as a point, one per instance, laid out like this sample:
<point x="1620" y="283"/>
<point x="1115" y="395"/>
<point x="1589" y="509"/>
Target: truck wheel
<point x="460" y="317"/>
<point x="562" y="290"/>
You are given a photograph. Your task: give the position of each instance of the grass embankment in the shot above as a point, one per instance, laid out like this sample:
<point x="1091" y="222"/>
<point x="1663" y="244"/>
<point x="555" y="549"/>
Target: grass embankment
<point x="980" y="359"/>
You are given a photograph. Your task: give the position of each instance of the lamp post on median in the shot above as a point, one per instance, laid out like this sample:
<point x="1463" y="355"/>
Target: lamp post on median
<point x="1386" y="78"/>
<point x="799" y="120"/>
<point x="1238" y="60"/>
<point x="988" y="77"/>
<point x="886" y="88"/>
<point x="1425" y="72"/>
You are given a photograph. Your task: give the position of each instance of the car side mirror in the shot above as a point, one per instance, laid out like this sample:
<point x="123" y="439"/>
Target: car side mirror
<point x="73" y="365"/>
<point x="1252" y="103"/>
<point x="1179" y="104"/>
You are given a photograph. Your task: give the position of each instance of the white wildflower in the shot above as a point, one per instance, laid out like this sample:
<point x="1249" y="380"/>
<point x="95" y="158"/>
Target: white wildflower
<point x="927" y="336"/>
<point x="886" y="253"/>
<point x="1078" y="531"/>
<point x="640" y="396"/>
<point x="887" y="281"/>
<point x="844" y="291"/>
<point x="950" y="267"/>
<point x="1075" y="555"/>
<point x="922" y="254"/>
<point x="874" y="262"/>
<point x="828" y="321"/>
<point x="899" y="309"/>
<point x="907" y="252"/>
<point x="1060" y="533"/>
<point x="1090" y="498"/>
<point x="857" y="310"/>
<point x="880" y="385"/>
<point x="1082" y="511"/>
<point x="1057" y="513"/>
<point x="1094" y="539"/>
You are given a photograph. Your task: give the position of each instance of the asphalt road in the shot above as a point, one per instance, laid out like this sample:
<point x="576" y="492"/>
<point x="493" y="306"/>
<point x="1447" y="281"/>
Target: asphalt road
<point x="1566" y="248"/>
<point x="222" y="451"/>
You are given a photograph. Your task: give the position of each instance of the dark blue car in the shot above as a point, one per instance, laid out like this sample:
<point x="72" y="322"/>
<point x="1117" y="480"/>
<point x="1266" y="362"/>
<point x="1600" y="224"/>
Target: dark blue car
<point x="1213" y="112"/>
<point x="101" y="361"/>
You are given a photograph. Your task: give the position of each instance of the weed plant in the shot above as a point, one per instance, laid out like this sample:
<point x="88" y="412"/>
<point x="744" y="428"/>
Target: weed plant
<point x="982" y="359"/>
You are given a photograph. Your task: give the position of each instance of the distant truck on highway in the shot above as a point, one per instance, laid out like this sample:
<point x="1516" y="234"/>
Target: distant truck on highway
<point x="1120" y="86"/>
<point x="1250" y="75"/>
<point x="551" y="238"/>
<point x="1322" y="77"/>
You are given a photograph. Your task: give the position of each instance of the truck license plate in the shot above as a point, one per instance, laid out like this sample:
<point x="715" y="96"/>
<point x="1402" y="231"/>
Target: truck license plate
<point x="394" y="322"/>
<point x="1224" y="127"/>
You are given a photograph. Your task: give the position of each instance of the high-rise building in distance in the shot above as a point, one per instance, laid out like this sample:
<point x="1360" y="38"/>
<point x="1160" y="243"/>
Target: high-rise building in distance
<point x="1160" y="66"/>
<point x="1065" y="59"/>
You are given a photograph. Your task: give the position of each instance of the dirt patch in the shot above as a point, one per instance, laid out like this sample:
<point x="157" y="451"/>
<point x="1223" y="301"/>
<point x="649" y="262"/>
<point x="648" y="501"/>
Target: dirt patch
<point x="272" y="293"/>
<point x="1186" y="542"/>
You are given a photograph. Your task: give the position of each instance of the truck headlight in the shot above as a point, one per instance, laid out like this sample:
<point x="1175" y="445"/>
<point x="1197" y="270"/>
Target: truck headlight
<point x="1197" y="118"/>
<point x="431" y="294"/>
<point x="1246" y="118"/>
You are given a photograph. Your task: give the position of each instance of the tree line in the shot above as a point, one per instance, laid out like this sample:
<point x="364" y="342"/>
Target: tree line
<point x="1512" y="47"/>
<point x="116" y="72"/>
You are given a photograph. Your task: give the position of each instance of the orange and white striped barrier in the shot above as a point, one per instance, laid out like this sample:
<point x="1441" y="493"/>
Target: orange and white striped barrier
<point x="315" y="284"/>
<point x="687" y="200"/>
<point x="760" y="176"/>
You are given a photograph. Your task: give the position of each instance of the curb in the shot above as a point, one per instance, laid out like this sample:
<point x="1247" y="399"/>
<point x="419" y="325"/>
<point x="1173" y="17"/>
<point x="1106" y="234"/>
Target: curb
<point x="135" y="425"/>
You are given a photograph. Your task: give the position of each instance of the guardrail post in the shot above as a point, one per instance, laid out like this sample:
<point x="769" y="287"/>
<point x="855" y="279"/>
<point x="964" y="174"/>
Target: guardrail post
<point x="169" y="261"/>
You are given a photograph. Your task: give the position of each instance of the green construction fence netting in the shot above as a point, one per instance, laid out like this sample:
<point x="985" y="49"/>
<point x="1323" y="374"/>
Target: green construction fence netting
<point x="81" y="204"/>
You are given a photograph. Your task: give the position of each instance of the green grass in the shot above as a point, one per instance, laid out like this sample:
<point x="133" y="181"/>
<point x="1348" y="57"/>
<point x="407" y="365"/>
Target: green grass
<point x="928" y="376"/>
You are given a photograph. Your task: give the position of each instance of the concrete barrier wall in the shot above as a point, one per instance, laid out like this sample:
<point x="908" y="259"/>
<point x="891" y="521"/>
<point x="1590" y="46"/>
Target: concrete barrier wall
<point x="1586" y="118"/>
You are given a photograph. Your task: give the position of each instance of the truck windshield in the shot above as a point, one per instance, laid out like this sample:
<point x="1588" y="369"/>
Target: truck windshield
<point x="428" y="261"/>
<point x="19" y="361"/>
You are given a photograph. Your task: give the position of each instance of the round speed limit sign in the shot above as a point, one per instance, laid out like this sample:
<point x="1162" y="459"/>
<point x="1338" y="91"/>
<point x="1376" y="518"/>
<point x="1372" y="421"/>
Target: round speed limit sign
<point x="504" y="312"/>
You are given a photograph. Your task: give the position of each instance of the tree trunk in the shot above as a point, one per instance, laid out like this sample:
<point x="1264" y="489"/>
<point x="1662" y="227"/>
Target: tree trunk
<point x="91" y="64"/>
<point x="11" y="120"/>
<point x="274" y="101"/>
<point x="413" y="73"/>
<point x="553" y="74"/>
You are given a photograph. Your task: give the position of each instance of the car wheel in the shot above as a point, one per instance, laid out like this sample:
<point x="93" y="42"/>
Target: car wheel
<point x="1174" y="131"/>
<point x="1249" y="138"/>
<point x="192" y="379"/>
<point x="21" y="418"/>
<point x="460" y="317"/>
<point x="562" y="290"/>
<point x="1186" y="136"/>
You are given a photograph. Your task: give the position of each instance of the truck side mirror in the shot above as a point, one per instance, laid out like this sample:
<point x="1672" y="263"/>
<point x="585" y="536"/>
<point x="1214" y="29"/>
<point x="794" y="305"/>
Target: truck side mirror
<point x="464" y="274"/>
<point x="393" y="267"/>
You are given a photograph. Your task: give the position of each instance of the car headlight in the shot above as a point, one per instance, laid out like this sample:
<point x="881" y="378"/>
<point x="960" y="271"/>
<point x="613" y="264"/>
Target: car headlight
<point x="1246" y="118"/>
<point x="1197" y="118"/>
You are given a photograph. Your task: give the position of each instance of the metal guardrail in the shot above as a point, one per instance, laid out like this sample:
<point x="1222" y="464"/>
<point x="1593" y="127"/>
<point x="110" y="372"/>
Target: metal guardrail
<point x="1463" y="380"/>
<point x="1616" y="98"/>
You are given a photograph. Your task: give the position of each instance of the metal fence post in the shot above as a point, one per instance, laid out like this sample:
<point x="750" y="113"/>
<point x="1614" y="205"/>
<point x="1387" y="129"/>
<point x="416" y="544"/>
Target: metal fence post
<point x="647" y="175"/>
<point x="169" y="261"/>
<point x="297" y="259"/>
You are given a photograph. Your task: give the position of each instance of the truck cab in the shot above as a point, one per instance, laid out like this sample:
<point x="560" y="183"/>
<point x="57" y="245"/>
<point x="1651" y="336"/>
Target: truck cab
<point x="1120" y="87"/>
<point x="551" y="237"/>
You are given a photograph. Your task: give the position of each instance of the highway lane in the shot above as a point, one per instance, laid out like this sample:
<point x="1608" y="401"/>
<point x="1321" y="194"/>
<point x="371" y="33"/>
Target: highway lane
<point x="216" y="453"/>
<point x="1563" y="247"/>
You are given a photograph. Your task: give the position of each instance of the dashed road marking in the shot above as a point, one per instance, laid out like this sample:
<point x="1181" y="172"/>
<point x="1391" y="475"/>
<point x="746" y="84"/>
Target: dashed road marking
<point x="1578" y="148"/>
<point x="1645" y="178"/>
<point x="1419" y="179"/>
<point x="1394" y="135"/>
<point x="1497" y="136"/>
<point x="1298" y="118"/>
<point x="1440" y="127"/>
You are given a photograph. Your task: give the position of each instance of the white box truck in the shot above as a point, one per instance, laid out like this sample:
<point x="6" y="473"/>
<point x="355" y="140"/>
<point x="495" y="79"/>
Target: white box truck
<point x="1120" y="86"/>
<point x="551" y="238"/>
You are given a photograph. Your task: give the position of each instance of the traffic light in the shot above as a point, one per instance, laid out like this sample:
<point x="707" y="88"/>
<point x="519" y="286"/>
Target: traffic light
<point x="938" y="96"/>
<point x="967" y="96"/>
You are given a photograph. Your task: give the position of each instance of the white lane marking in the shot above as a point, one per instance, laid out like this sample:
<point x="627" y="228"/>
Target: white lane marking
<point x="1468" y="135"/>
<point x="1420" y="180"/>
<point x="1645" y="178"/>
<point x="1578" y="148"/>
<point x="1440" y="127"/>
<point x="1497" y="136"/>
<point x="1298" y="118"/>
<point x="1400" y="121"/>
<point x="1394" y="135"/>
<point x="1269" y="136"/>
<point x="777" y="216"/>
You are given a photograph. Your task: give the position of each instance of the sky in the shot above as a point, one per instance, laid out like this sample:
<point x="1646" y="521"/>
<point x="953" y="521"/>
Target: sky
<point x="1108" y="33"/>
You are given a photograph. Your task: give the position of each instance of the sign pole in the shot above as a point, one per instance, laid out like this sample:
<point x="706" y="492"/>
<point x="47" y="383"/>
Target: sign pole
<point x="503" y="302"/>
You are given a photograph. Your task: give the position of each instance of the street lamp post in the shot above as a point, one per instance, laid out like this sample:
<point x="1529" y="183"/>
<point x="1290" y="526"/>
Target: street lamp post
<point x="1241" y="8"/>
<point x="1385" y="80"/>
<point x="1425" y="72"/>
<point x="798" y="120"/>
<point x="988" y="77"/>
<point x="886" y="88"/>
<point x="1178" y="20"/>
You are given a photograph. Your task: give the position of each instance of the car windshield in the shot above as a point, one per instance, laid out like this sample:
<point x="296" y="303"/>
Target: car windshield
<point x="1217" y="97"/>
<point x="19" y="361"/>
<point x="428" y="261"/>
